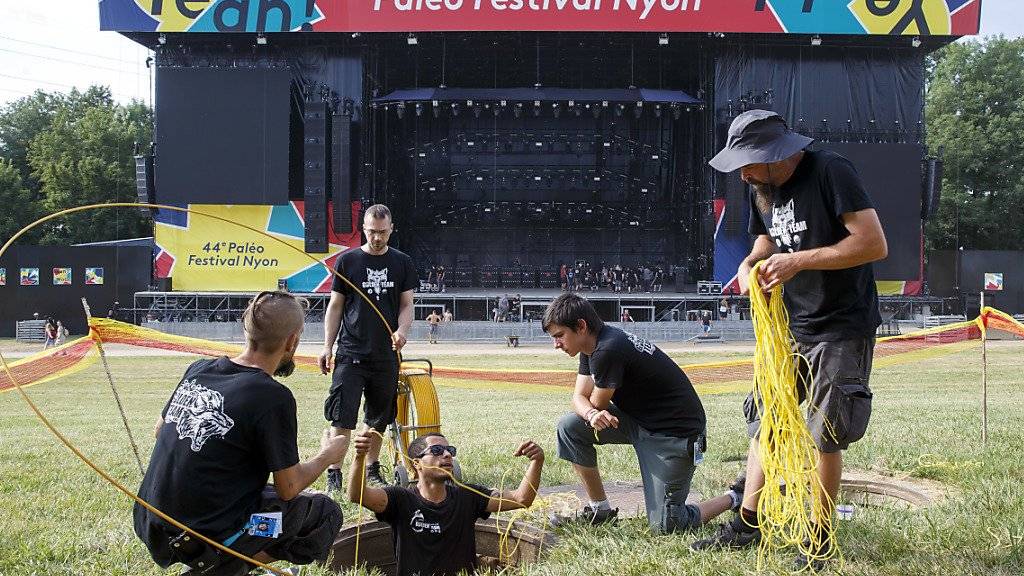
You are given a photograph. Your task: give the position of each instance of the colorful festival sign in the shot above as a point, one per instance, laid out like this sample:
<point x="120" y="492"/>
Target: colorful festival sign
<point x="93" y="276"/>
<point x="30" y="276"/>
<point x="883" y="17"/>
<point x="62" y="276"/>
<point x="201" y="253"/>
<point x="993" y="280"/>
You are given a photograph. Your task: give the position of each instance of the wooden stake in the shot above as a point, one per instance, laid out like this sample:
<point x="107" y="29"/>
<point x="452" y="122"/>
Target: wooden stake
<point x="117" y="397"/>
<point x="984" y="374"/>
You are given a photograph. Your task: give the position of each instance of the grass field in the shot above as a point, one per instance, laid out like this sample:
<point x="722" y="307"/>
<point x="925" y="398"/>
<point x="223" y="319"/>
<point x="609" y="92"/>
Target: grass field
<point x="58" y="518"/>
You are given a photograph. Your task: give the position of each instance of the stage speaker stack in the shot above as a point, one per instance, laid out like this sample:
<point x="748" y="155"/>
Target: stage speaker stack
<point x="315" y="177"/>
<point x="735" y="205"/>
<point x="932" y="188"/>
<point x="341" y="181"/>
<point x="709" y="288"/>
<point x="144" y="187"/>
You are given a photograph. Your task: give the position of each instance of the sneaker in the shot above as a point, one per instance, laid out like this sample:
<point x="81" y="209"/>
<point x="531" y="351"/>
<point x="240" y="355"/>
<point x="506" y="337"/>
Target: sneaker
<point x="587" y="517"/>
<point x="813" y="558"/>
<point x="374" y="477"/>
<point x="334" y="483"/>
<point x="729" y="537"/>
<point x="292" y="570"/>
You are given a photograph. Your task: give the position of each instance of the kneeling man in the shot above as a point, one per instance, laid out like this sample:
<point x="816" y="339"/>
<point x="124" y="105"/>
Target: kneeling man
<point x="630" y="392"/>
<point x="226" y="428"/>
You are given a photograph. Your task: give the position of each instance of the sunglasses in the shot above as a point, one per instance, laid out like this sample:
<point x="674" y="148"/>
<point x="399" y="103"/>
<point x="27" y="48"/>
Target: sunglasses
<point x="438" y="450"/>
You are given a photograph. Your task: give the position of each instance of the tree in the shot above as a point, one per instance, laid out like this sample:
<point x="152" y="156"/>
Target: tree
<point x="975" y="111"/>
<point x="78" y="149"/>
<point x="19" y="209"/>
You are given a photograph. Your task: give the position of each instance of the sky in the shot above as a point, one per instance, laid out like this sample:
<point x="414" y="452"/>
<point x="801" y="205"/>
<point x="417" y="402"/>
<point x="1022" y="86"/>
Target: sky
<point x="55" y="45"/>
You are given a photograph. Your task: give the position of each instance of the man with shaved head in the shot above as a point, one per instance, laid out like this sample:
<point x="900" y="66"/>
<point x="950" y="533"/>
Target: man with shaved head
<point x="228" y="426"/>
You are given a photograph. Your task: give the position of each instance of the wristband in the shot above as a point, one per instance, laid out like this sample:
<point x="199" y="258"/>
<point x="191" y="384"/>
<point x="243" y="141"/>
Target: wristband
<point x="590" y="414"/>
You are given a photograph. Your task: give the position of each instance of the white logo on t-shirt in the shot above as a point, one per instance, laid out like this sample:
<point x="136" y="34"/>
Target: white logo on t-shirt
<point x="785" y="229"/>
<point x="418" y="524"/>
<point x="377" y="282"/>
<point x="198" y="413"/>
<point x="641" y="344"/>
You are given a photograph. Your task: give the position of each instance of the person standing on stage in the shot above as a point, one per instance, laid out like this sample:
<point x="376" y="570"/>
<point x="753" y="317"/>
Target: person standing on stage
<point x="365" y="362"/>
<point x="818" y="233"/>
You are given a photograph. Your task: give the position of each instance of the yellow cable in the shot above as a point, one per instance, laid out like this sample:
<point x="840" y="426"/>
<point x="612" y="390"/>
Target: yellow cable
<point x="539" y="503"/>
<point x="789" y="502"/>
<point x="81" y="455"/>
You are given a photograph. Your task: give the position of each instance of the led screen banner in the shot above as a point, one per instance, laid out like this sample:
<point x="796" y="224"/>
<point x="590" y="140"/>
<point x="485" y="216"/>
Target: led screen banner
<point x="204" y="254"/>
<point x="907" y="17"/>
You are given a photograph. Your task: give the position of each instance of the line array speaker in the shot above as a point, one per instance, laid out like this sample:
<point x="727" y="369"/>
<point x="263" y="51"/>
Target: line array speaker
<point x="316" y="174"/>
<point x="144" y="185"/>
<point x="341" y="181"/>
<point x="932" y="189"/>
<point x="735" y="204"/>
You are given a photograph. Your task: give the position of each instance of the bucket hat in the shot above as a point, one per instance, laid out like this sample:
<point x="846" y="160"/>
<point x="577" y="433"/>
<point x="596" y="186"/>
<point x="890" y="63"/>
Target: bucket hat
<point x="756" y="137"/>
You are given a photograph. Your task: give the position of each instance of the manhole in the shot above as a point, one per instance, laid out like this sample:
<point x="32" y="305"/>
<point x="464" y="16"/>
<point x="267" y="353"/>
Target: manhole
<point x="376" y="547"/>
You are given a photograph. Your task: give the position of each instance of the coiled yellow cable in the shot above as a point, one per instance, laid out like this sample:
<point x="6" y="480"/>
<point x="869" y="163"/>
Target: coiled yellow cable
<point x="789" y="502"/>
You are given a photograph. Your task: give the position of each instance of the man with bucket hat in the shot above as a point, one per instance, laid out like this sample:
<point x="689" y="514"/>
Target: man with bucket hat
<point x="815" y="230"/>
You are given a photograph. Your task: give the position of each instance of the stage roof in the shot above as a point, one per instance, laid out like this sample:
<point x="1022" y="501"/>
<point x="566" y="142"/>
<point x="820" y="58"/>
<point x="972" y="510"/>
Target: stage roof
<point x="853" y="17"/>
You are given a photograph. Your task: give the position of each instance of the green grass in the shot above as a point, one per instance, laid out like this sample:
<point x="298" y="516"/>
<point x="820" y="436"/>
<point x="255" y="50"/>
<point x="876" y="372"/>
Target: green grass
<point x="57" y="517"/>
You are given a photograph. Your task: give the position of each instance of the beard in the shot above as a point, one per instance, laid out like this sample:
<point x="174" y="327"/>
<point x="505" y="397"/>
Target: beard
<point x="764" y="197"/>
<point x="286" y="367"/>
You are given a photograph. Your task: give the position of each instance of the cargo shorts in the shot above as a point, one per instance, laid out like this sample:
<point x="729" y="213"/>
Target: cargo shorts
<point x="836" y="374"/>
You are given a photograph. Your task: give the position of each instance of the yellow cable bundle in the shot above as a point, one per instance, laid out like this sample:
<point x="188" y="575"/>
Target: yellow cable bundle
<point x="789" y="500"/>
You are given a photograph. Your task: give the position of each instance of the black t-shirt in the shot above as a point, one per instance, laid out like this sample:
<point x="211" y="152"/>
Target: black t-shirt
<point x="823" y="305"/>
<point x="383" y="278"/>
<point x="434" y="539"/>
<point x="649" y="386"/>
<point x="226" y="428"/>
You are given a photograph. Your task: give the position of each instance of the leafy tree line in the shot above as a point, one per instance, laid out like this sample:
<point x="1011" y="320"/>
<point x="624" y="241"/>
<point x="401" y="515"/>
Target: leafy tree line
<point x="975" y="113"/>
<point x="60" y="150"/>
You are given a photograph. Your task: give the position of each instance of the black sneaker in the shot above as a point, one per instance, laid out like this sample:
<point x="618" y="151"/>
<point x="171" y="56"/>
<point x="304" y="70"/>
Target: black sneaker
<point x="374" y="477"/>
<point x="813" y="558"/>
<point x="334" y="483"/>
<point x="729" y="537"/>
<point x="586" y="517"/>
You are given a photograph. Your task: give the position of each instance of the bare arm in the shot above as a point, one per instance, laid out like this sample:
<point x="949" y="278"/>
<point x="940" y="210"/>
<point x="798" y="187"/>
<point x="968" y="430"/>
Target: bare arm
<point x="294" y="479"/>
<point x="332" y="325"/>
<point x="581" y="395"/>
<point x="405" y="314"/>
<point x="865" y="243"/>
<point x="159" y="424"/>
<point x="763" y="248"/>
<point x="591" y="403"/>
<point x="373" y="498"/>
<point x="523" y="496"/>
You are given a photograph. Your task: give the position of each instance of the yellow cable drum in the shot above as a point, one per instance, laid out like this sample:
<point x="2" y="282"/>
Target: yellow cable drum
<point x="418" y="409"/>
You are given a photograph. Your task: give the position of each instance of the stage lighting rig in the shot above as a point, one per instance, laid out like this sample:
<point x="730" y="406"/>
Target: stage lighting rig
<point x="663" y="39"/>
<point x="411" y="39"/>
<point x="815" y="40"/>
<point x="261" y="39"/>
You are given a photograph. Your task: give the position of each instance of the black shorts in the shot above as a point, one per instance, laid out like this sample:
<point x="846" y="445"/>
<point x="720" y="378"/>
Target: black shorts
<point x="840" y="405"/>
<point x="352" y="378"/>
